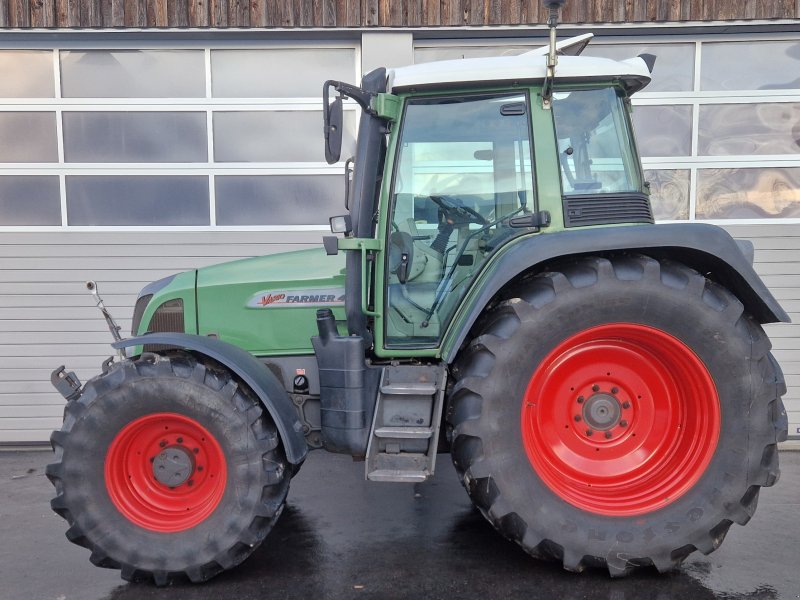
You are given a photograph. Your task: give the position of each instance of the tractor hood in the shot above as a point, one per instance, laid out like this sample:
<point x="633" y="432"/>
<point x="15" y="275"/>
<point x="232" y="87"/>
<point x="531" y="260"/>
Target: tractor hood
<point x="267" y="304"/>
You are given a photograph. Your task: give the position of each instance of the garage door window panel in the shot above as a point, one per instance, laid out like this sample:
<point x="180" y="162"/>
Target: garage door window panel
<point x="749" y="129"/>
<point x="29" y="200"/>
<point x="277" y="199"/>
<point x="275" y="136"/>
<point x="748" y="193"/>
<point x="26" y="74"/>
<point x="135" y="137"/>
<point x="28" y="137"/>
<point x="137" y="200"/>
<point x="274" y="73"/>
<point x="133" y="74"/>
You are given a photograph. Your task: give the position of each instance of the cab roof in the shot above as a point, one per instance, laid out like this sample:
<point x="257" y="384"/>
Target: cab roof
<point x="632" y="73"/>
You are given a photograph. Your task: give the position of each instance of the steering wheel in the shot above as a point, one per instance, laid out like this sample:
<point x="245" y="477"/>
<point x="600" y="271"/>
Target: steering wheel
<point x="456" y="213"/>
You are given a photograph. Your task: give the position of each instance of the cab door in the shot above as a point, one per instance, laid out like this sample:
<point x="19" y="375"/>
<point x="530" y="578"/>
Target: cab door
<point x="462" y="172"/>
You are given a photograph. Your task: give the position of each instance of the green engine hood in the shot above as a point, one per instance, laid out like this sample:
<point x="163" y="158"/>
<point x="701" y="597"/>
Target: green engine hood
<point x="267" y="304"/>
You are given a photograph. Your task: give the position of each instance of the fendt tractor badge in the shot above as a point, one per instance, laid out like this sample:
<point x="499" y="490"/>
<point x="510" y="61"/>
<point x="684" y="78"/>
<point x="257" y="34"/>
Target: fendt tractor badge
<point x="305" y="298"/>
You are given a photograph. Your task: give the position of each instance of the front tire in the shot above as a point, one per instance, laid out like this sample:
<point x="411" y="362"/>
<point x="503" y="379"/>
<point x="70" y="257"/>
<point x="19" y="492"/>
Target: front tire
<point x="167" y="468"/>
<point x="618" y="413"/>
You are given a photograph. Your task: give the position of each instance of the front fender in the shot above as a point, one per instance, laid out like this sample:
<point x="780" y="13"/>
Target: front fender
<point x="707" y="248"/>
<point x="258" y="377"/>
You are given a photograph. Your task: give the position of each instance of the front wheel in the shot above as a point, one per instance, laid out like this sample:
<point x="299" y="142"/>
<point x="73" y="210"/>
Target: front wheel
<point x="617" y="412"/>
<point x="166" y="467"/>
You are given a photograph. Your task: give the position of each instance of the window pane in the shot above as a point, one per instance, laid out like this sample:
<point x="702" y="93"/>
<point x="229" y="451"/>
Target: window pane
<point x="674" y="68"/>
<point x="726" y="129"/>
<point x="748" y="193"/>
<point x="133" y="74"/>
<point x="278" y="73"/>
<point x="29" y="200"/>
<point x="26" y="74"/>
<point x="132" y="200"/>
<point x="276" y="136"/>
<point x="669" y="193"/>
<point x="663" y="130"/>
<point x="135" y="137"/>
<point x="278" y="199"/>
<point x="594" y="148"/>
<point x="28" y="137"/>
<point x="750" y="66"/>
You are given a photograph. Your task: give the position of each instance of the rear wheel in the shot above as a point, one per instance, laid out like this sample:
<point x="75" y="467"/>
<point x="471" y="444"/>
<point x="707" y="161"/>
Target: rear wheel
<point x="165" y="468"/>
<point x="647" y="411"/>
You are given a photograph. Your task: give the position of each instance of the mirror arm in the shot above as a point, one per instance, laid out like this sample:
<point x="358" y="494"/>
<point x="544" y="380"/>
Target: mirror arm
<point x="363" y="98"/>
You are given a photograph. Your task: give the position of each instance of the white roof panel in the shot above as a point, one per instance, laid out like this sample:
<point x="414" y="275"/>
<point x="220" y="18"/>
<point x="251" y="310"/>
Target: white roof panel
<point x="525" y="67"/>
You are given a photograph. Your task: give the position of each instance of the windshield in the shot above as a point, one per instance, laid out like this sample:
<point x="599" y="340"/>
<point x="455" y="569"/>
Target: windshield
<point x="594" y="143"/>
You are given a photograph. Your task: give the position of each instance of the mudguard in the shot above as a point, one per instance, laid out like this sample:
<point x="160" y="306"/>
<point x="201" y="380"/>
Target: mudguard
<point x="258" y="377"/>
<point x="706" y="248"/>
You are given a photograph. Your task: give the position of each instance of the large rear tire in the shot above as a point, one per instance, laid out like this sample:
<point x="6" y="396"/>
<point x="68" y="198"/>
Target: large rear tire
<point x="167" y="468"/>
<point x="617" y="413"/>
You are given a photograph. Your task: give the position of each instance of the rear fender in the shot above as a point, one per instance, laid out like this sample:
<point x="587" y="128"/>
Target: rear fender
<point x="706" y="248"/>
<point x="254" y="374"/>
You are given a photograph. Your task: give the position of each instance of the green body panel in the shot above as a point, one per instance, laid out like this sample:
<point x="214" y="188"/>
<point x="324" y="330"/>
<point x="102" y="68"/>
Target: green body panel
<point x="267" y="304"/>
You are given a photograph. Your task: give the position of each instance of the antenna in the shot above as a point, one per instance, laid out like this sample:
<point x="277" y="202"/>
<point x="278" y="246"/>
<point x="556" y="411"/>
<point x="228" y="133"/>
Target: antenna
<point x="552" y="57"/>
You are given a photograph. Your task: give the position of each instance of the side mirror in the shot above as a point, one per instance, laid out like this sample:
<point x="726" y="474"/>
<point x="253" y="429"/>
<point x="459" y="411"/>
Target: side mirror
<point x="333" y="118"/>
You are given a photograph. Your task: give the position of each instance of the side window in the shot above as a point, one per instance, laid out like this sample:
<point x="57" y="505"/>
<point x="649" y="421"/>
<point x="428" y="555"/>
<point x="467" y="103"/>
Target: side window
<point x="594" y="143"/>
<point x="463" y="170"/>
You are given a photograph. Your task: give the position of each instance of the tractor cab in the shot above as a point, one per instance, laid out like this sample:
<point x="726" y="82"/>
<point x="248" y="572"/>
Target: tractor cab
<point x="468" y="155"/>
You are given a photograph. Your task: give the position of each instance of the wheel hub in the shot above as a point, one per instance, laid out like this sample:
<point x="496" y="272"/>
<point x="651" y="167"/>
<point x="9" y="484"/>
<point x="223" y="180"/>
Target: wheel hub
<point x="173" y="466"/>
<point x="602" y="412"/>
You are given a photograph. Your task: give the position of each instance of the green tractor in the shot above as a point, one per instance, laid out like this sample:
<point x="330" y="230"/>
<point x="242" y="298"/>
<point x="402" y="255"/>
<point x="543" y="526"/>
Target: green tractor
<point x="497" y="290"/>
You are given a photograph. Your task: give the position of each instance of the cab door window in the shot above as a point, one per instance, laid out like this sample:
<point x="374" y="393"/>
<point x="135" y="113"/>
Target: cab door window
<point x="463" y="170"/>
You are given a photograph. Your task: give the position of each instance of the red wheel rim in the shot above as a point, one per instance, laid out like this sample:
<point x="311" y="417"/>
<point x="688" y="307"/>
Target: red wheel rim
<point x="165" y="472"/>
<point x="620" y="419"/>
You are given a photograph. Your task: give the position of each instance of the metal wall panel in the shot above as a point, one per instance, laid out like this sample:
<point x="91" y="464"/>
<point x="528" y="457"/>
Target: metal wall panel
<point x="778" y="262"/>
<point x="47" y="318"/>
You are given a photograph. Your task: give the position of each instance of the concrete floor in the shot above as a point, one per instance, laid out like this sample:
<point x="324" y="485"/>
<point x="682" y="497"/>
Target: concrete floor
<point x="341" y="537"/>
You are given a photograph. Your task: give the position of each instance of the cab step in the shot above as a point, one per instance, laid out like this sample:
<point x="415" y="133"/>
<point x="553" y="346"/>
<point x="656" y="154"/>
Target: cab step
<point x="405" y="430"/>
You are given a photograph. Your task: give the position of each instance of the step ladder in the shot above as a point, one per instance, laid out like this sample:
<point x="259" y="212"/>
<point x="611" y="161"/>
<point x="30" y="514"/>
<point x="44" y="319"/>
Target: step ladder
<point x="405" y="429"/>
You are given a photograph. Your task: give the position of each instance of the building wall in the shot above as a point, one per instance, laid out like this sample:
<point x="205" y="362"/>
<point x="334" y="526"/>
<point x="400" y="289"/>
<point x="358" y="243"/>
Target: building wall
<point x="48" y="319"/>
<point x="373" y="13"/>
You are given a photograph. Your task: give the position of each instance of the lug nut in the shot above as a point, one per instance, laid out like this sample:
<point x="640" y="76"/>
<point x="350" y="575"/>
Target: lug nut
<point x="623" y="423"/>
<point x="626" y="405"/>
<point x="589" y="432"/>
<point x="200" y="468"/>
<point x="195" y="450"/>
<point x="577" y="418"/>
<point x="608" y="435"/>
<point x="580" y="399"/>
<point x="179" y="440"/>
<point x="595" y="388"/>
<point x="190" y="483"/>
<point x="615" y="390"/>
<point x="162" y="443"/>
